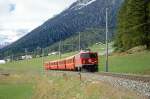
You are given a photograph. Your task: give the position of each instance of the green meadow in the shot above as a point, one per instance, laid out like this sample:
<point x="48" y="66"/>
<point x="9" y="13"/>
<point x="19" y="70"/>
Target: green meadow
<point x="137" y="63"/>
<point x="15" y="91"/>
<point x="22" y="82"/>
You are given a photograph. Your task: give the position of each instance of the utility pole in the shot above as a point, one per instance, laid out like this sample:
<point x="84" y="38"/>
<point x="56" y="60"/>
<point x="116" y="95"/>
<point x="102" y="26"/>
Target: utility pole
<point x="12" y="58"/>
<point x="43" y="70"/>
<point x="60" y="49"/>
<point x="72" y="44"/>
<point x="106" y="40"/>
<point x="26" y="53"/>
<point x="79" y="41"/>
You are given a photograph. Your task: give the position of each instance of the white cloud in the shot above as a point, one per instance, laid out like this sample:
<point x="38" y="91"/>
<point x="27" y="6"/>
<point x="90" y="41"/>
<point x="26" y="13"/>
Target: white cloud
<point x="4" y="7"/>
<point x="26" y="15"/>
<point x="9" y="35"/>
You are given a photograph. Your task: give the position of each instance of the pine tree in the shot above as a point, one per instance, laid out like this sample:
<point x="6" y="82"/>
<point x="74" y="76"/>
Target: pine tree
<point x="148" y="45"/>
<point x="132" y="28"/>
<point x="136" y="19"/>
<point x="147" y="33"/>
<point x="121" y="26"/>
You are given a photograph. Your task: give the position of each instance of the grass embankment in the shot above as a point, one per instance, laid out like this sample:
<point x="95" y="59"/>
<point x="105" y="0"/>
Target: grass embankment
<point x="66" y="87"/>
<point x="26" y="86"/>
<point x="137" y="63"/>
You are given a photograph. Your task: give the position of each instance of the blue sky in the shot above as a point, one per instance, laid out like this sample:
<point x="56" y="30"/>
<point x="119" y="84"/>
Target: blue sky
<point x="18" y="17"/>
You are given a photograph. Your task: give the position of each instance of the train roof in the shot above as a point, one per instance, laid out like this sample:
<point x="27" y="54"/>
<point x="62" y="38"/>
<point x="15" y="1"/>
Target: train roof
<point x="82" y="51"/>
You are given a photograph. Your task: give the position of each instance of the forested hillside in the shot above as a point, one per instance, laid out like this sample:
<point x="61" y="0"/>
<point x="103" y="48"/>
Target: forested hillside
<point x="133" y="27"/>
<point x="87" y="38"/>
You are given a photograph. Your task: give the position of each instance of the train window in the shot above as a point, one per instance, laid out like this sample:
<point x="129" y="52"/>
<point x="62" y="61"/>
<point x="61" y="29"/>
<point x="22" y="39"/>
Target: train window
<point x="88" y="55"/>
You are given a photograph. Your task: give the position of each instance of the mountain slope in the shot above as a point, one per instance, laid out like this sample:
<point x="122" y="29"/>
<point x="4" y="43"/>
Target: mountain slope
<point x="72" y="43"/>
<point x="78" y="17"/>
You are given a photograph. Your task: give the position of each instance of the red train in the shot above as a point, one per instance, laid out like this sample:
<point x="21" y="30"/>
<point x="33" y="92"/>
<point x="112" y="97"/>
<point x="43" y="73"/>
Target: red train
<point x="83" y="61"/>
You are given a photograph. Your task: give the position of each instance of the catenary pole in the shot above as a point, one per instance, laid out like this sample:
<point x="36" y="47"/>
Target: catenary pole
<point x="79" y="41"/>
<point x="60" y="49"/>
<point x="106" y="67"/>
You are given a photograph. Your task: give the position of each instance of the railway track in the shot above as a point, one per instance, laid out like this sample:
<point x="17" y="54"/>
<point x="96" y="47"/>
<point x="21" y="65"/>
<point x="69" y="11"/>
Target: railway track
<point x="140" y="78"/>
<point x="145" y="78"/>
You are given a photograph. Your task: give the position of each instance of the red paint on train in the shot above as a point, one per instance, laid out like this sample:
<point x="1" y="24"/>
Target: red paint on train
<point x="87" y="61"/>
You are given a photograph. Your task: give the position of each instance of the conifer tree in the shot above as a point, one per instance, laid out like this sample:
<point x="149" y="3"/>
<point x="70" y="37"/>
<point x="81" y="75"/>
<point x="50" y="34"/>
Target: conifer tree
<point x="121" y="26"/>
<point x="147" y="33"/>
<point x="148" y="42"/>
<point x="132" y="28"/>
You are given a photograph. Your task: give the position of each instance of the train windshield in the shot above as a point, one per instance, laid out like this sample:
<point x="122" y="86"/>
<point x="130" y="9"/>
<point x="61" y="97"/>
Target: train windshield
<point x="88" y="55"/>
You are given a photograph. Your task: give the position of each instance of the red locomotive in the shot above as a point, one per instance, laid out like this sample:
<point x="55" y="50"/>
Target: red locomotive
<point x="83" y="61"/>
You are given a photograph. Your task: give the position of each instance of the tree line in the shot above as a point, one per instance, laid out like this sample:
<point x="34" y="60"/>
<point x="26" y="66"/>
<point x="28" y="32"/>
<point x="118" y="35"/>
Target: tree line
<point x="133" y="25"/>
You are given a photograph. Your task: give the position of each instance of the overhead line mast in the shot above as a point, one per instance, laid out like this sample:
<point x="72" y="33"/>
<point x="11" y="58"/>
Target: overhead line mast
<point x="60" y="49"/>
<point x="79" y="41"/>
<point x="106" y="67"/>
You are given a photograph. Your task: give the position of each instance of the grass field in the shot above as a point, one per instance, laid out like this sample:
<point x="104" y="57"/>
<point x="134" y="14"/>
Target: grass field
<point x="15" y="91"/>
<point x="33" y="65"/>
<point x="53" y="86"/>
<point x="22" y="87"/>
<point x="100" y="48"/>
<point x="23" y="77"/>
<point x="60" y="87"/>
<point x="137" y="63"/>
<point x="16" y="86"/>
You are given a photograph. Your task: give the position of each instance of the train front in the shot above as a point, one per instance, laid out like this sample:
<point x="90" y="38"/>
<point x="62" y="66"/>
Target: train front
<point x="89" y="61"/>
